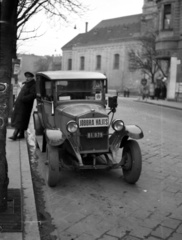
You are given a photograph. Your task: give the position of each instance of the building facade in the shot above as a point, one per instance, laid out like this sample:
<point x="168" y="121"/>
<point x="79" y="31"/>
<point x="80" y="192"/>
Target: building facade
<point x="105" y="48"/>
<point x="169" y="42"/>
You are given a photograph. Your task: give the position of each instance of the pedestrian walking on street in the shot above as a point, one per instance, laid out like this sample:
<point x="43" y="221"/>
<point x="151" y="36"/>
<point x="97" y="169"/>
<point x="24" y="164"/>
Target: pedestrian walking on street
<point x="23" y="107"/>
<point x="152" y="90"/>
<point x="163" y="90"/>
<point x="144" y="89"/>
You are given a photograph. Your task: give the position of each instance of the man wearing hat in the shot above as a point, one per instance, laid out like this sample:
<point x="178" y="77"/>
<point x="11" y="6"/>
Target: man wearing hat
<point x="23" y="107"/>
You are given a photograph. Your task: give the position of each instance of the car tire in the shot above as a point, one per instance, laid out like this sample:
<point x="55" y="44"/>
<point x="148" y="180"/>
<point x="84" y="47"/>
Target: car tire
<point x="44" y="144"/>
<point x="53" y="165"/>
<point x="132" y="161"/>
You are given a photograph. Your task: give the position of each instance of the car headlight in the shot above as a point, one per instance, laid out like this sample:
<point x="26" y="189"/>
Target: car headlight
<point x="117" y="125"/>
<point x="72" y="126"/>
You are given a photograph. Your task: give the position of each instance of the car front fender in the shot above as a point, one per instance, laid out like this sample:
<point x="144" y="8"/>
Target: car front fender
<point x="54" y="137"/>
<point x="117" y="139"/>
<point x="134" y="131"/>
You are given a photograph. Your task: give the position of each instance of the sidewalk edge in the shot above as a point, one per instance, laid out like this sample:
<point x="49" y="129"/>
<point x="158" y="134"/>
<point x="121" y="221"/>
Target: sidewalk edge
<point x="160" y="104"/>
<point x="31" y="230"/>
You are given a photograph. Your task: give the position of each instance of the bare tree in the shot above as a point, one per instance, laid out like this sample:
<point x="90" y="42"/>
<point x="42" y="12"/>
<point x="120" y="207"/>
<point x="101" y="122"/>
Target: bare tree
<point x="53" y="9"/>
<point x="145" y="58"/>
<point x="8" y="11"/>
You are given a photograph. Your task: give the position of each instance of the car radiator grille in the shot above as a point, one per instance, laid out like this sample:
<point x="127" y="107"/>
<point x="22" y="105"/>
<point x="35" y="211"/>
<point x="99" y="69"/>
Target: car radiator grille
<point x="97" y="140"/>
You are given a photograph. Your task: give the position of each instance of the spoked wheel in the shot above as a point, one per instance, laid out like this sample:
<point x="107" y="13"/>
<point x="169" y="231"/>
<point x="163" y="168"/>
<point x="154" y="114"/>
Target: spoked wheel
<point x="132" y="161"/>
<point x="53" y="165"/>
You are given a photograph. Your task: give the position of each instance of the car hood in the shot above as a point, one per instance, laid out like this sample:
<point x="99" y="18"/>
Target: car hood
<point x="77" y="109"/>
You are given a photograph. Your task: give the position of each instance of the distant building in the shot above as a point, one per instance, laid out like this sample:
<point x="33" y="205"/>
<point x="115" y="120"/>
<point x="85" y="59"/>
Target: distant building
<point x="34" y="63"/>
<point x="27" y="64"/>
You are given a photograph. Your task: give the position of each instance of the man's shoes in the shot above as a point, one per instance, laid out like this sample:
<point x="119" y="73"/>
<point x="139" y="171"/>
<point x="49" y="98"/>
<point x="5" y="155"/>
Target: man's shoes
<point x="13" y="138"/>
<point x="15" y="133"/>
<point x="21" y="134"/>
<point x="20" y="137"/>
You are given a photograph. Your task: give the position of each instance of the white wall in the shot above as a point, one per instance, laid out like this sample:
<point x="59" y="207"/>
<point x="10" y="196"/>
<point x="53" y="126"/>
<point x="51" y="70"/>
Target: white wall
<point x="117" y="78"/>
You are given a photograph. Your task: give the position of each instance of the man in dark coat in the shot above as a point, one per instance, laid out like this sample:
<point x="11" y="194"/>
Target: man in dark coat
<point x="23" y="107"/>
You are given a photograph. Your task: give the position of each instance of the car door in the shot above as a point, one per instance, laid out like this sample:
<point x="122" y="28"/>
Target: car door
<point x="48" y="105"/>
<point x="45" y="102"/>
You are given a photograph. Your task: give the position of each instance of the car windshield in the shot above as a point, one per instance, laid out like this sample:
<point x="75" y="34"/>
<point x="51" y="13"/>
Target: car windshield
<point x="80" y="89"/>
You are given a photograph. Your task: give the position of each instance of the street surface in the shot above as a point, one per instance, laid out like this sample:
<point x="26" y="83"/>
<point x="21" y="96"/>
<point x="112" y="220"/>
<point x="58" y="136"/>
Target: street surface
<point x="90" y="205"/>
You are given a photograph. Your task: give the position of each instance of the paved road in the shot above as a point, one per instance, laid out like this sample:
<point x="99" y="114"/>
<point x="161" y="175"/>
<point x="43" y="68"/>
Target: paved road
<point x="99" y="205"/>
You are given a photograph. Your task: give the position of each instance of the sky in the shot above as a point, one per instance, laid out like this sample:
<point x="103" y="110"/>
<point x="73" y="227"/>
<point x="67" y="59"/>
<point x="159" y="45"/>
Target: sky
<point x="53" y="36"/>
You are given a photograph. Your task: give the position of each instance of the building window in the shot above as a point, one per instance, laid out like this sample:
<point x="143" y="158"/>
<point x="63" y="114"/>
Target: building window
<point x="69" y="64"/>
<point x="167" y="23"/>
<point x="82" y="63"/>
<point x="116" y="61"/>
<point x="98" y="62"/>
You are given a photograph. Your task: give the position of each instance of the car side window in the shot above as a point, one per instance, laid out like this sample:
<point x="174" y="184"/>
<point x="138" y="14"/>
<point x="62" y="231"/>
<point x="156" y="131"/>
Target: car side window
<point x="62" y="90"/>
<point x="48" y="91"/>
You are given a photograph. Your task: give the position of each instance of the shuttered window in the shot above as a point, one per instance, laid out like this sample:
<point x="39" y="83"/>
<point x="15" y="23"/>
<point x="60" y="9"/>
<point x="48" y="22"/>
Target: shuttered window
<point x="82" y="63"/>
<point x="116" y="61"/>
<point x="98" y="62"/>
<point x="69" y="64"/>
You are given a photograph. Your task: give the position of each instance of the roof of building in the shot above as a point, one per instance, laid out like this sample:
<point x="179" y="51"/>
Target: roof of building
<point x="127" y="20"/>
<point x="108" y="31"/>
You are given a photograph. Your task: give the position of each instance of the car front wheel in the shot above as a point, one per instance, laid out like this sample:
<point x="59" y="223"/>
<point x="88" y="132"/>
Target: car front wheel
<point x="132" y="161"/>
<point x="53" y="165"/>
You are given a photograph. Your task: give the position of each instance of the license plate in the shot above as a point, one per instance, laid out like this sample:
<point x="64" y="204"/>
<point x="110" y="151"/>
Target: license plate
<point x="95" y="135"/>
<point x="93" y="122"/>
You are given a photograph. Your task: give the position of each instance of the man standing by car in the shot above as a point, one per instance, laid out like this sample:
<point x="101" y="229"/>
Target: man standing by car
<point x="23" y="107"/>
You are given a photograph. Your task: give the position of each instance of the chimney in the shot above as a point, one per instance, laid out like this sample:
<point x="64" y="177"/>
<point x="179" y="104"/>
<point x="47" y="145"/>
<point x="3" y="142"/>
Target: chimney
<point x="86" y="27"/>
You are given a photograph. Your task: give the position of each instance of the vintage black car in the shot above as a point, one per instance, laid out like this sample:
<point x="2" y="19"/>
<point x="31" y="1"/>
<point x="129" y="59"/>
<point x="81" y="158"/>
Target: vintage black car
<point x="78" y="128"/>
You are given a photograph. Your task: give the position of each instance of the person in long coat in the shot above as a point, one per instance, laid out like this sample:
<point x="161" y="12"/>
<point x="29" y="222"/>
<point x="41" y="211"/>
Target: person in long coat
<point x="23" y="107"/>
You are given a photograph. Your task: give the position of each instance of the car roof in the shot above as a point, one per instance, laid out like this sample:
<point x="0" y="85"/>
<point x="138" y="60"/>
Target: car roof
<point x="65" y="75"/>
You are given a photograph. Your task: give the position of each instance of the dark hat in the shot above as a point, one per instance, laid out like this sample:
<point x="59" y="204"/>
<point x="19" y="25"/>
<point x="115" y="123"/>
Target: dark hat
<point x="28" y="74"/>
